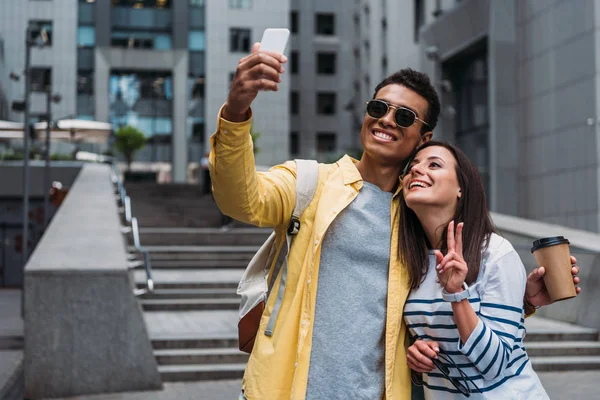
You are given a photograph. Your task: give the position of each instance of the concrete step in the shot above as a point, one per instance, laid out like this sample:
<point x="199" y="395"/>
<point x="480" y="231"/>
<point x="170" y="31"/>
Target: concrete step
<point x="187" y="343"/>
<point x="181" y="373"/>
<point x="11" y="374"/>
<point x="565" y="363"/>
<point x="203" y="236"/>
<point x="584" y="334"/>
<point x="190" y="304"/>
<point x="191" y="285"/>
<point x="207" y="256"/>
<point x="199" y="264"/>
<point x="11" y="342"/>
<point x="562" y="348"/>
<point x="201" y="356"/>
<point x="217" y="293"/>
<point x="191" y="279"/>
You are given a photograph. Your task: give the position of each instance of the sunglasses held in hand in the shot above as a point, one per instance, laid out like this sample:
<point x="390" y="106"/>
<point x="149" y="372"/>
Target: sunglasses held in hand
<point x="461" y="383"/>
<point x="403" y="116"/>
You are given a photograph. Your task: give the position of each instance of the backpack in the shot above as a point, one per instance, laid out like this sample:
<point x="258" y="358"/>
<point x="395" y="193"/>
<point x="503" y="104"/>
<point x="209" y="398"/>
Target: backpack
<point x="253" y="286"/>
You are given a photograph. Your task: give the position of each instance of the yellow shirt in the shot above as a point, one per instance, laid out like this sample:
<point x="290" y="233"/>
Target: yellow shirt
<point x="278" y="365"/>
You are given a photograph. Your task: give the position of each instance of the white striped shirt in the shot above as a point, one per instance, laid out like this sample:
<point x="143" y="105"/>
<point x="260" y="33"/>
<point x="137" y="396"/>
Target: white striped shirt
<point x="494" y="356"/>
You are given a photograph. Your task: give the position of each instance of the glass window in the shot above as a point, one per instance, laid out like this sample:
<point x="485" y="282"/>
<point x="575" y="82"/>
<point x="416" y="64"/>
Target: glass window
<point x="239" y="40"/>
<point x="294" y="21"/>
<point x="41" y="79"/>
<point x="196" y="3"/>
<point x="294" y="62"/>
<point x="85" y="82"/>
<point x="197" y="65"/>
<point x="86" y="36"/>
<point x="196" y="18"/>
<point x="85" y="93"/>
<point x="141" y="4"/>
<point x="247" y="4"/>
<point x="86" y="13"/>
<point x="294" y="103"/>
<point x="141" y="40"/>
<point x="85" y="58"/>
<point x="326" y="63"/>
<point x="326" y="103"/>
<point x="325" y="24"/>
<point x="419" y="17"/>
<point x="143" y="100"/>
<point x="294" y="144"/>
<point x="43" y="29"/>
<point x="326" y="142"/>
<point x="196" y="40"/>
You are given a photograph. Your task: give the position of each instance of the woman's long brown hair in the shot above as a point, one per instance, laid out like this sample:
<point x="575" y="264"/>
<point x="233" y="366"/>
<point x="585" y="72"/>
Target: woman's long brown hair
<point x="470" y="209"/>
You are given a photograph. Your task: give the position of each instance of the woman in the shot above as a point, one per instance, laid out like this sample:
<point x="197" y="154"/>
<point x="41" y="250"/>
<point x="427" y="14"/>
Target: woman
<point x="465" y="311"/>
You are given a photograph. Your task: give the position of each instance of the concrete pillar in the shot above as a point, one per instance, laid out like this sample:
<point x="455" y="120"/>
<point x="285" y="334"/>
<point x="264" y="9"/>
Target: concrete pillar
<point x="180" y="107"/>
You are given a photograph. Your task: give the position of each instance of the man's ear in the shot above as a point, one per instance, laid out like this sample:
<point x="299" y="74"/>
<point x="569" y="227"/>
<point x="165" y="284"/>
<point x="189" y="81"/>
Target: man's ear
<point x="426" y="137"/>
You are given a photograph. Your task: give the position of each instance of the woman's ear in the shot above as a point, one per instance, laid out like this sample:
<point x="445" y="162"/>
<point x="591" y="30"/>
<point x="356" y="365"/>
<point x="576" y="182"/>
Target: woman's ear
<point x="459" y="193"/>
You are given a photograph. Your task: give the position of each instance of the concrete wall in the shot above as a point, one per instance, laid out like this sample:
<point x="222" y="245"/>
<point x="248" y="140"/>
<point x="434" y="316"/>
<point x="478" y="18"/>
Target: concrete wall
<point x="558" y="92"/>
<point x="85" y="330"/>
<point x="11" y="177"/>
<point x="585" y="246"/>
<point x="61" y="56"/>
<point x="271" y="109"/>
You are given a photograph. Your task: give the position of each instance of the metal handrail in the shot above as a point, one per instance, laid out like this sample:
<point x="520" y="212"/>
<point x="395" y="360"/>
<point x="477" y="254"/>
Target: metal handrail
<point x="146" y="255"/>
<point x="131" y="225"/>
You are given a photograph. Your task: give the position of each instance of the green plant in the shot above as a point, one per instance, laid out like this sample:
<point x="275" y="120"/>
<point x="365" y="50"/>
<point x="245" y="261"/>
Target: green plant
<point x="128" y="140"/>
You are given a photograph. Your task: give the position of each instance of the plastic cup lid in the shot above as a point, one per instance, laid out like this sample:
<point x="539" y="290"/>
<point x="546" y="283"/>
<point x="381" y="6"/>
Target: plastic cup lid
<point x="547" y="242"/>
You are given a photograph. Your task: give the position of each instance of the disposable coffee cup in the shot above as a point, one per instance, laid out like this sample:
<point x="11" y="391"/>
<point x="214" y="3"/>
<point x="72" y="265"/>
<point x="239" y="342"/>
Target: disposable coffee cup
<point x="553" y="254"/>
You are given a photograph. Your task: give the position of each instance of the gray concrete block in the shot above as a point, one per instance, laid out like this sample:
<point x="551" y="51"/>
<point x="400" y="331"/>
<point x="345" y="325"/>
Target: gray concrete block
<point x="85" y="334"/>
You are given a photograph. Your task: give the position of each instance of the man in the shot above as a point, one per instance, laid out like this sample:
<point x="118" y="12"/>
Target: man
<point x="347" y="338"/>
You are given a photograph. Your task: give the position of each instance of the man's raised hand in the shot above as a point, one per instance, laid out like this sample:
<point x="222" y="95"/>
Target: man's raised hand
<point x="259" y="71"/>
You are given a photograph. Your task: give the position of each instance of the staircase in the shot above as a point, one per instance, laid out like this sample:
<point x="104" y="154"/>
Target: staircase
<point x="559" y="346"/>
<point x="192" y="313"/>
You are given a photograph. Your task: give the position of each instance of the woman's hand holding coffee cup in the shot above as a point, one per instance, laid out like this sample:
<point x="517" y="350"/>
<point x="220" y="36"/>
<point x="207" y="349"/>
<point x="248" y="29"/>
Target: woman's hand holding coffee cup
<point x="536" y="292"/>
<point x="452" y="268"/>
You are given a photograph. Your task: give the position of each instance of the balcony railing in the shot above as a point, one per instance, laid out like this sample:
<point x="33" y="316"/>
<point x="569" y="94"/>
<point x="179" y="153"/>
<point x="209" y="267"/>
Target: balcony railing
<point x="85" y="58"/>
<point x="197" y="63"/>
<point x="142" y="18"/>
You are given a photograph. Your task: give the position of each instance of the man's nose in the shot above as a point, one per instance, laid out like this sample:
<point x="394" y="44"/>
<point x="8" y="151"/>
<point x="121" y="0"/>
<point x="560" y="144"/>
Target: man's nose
<point x="389" y="118"/>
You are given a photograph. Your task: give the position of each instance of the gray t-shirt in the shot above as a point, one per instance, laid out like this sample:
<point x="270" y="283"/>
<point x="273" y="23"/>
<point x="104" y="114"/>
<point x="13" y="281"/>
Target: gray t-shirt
<point x="348" y="344"/>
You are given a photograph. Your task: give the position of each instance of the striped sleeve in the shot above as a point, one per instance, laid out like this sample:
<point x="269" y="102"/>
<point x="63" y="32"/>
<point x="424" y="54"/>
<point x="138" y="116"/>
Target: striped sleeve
<point x="491" y="343"/>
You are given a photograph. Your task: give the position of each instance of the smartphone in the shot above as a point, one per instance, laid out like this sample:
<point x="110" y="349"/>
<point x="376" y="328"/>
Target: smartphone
<point x="275" y="40"/>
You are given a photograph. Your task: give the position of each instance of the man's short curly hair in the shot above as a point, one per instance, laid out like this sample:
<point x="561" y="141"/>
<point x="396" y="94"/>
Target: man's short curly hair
<point x="419" y="83"/>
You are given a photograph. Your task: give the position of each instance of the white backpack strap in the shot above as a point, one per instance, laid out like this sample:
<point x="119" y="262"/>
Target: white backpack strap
<point x="307" y="177"/>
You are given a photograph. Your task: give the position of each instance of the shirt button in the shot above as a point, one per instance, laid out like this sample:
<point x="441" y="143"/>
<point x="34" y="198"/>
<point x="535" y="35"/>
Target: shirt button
<point x="226" y="131"/>
<point x="317" y="242"/>
<point x="308" y="282"/>
<point x="296" y="365"/>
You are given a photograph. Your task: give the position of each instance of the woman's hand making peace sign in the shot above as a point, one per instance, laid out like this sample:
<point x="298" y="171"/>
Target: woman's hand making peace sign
<point x="452" y="268"/>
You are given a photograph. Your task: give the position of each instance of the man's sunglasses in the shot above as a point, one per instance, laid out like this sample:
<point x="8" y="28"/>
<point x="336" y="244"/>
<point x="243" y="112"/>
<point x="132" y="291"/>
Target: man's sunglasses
<point x="460" y="383"/>
<point x="403" y="116"/>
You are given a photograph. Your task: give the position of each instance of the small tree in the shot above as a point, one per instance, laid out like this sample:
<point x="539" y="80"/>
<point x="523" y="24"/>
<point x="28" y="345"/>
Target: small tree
<point x="128" y="140"/>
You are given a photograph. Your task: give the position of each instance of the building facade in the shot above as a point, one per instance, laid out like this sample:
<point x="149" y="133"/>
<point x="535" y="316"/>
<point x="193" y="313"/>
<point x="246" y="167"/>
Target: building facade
<point x="517" y="80"/>
<point x="163" y="66"/>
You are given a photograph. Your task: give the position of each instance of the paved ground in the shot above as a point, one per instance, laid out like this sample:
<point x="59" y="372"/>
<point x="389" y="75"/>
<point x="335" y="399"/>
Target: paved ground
<point x="192" y="324"/>
<point x="11" y="323"/>
<point x="559" y="385"/>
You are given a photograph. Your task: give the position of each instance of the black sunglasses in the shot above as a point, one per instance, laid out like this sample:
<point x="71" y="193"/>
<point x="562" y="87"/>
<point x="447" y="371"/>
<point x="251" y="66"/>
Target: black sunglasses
<point x="403" y="116"/>
<point x="441" y="363"/>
